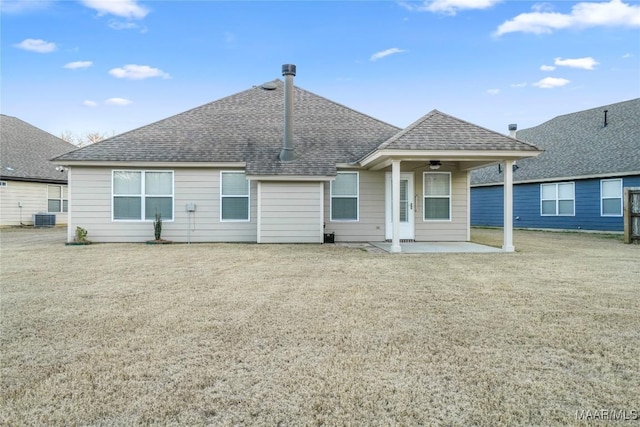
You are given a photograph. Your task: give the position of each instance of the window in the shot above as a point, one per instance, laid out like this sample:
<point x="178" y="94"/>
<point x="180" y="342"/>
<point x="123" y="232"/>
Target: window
<point x="234" y="196"/>
<point x="557" y="199"/>
<point x="437" y="196"/>
<point x="611" y="197"/>
<point x="344" y="197"/>
<point x="139" y="195"/>
<point x="57" y="198"/>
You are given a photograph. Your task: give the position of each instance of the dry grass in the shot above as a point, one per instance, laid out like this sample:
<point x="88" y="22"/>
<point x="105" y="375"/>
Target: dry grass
<point x="226" y="334"/>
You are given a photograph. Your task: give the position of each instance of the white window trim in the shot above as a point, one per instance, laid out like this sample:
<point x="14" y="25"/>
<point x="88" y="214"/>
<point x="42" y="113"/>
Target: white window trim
<point x="357" y="197"/>
<point x="61" y="199"/>
<point x="143" y="196"/>
<point x="248" y="196"/>
<point x="424" y="196"/>
<point x="609" y="198"/>
<point x="557" y="198"/>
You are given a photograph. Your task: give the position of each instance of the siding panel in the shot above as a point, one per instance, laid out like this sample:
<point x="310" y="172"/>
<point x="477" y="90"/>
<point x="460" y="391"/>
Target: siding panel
<point x="290" y="212"/>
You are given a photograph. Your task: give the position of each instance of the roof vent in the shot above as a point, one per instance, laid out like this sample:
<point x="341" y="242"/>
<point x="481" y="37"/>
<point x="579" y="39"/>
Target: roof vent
<point x="512" y="130"/>
<point x="605" y="119"/>
<point x="269" y="86"/>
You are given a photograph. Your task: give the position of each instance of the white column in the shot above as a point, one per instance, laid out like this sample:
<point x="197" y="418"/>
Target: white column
<point x="507" y="246"/>
<point x="395" y="205"/>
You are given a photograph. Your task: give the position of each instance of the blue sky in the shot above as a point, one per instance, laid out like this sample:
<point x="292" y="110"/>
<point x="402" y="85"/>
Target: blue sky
<point x="111" y="66"/>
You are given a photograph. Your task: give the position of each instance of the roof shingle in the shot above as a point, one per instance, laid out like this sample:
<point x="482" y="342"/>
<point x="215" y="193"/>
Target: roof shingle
<point x="26" y="152"/>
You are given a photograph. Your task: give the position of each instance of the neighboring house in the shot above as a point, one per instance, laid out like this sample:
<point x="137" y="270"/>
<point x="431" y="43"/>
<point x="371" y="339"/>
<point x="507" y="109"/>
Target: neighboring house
<point x="29" y="182"/>
<point x="275" y="164"/>
<point x="577" y="183"/>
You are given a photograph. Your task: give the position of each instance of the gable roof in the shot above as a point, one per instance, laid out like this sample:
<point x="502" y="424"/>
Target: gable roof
<point x="579" y="145"/>
<point x="26" y="152"/>
<point x="440" y="131"/>
<point x="248" y="127"/>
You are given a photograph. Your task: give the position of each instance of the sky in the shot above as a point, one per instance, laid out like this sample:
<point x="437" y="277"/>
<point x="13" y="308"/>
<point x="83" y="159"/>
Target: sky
<point x="109" y="66"/>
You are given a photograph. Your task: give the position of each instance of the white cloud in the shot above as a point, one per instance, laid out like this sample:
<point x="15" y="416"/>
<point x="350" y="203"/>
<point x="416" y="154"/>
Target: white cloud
<point x="449" y="7"/>
<point x="36" y="45"/>
<point x="627" y="55"/>
<point x="23" y="6"/>
<point x="382" y="54"/>
<point x="547" y="67"/>
<point x="524" y="84"/>
<point x="137" y="72"/>
<point x="120" y="25"/>
<point x="89" y="103"/>
<point x="118" y="101"/>
<point x="585" y="63"/>
<point x="129" y="9"/>
<point x="493" y="91"/>
<point x="551" y="82"/>
<point x="78" y="64"/>
<point x="614" y="13"/>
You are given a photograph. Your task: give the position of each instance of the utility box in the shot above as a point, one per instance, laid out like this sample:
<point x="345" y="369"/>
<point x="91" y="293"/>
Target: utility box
<point x="44" y="220"/>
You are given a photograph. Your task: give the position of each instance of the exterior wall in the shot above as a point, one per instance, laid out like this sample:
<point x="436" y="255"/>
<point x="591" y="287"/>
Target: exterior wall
<point x="32" y="195"/>
<point x="455" y="230"/>
<point x="371" y="223"/>
<point x="90" y="199"/>
<point x="290" y="212"/>
<point x="486" y="207"/>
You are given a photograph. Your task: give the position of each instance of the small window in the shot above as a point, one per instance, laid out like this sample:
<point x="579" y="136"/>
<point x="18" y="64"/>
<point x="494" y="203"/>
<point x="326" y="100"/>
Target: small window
<point x="234" y="196"/>
<point x="140" y="195"/>
<point x="611" y="197"/>
<point x="344" y="197"/>
<point x="437" y="196"/>
<point x="57" y="198"/>
<point x="557" y="199"/>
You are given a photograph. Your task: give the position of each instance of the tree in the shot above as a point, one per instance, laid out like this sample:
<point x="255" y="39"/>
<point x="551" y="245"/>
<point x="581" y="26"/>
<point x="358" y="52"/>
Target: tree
<point x="87" y="138"/>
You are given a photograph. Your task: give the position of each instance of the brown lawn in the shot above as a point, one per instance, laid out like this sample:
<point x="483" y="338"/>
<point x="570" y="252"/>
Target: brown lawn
<point x="233" y="334"/>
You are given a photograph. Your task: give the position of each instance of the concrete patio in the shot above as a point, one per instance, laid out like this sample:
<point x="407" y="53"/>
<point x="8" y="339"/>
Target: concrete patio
<point x="438" y="247"/>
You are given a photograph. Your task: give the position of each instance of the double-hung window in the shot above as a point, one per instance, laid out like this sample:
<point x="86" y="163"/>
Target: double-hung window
<point x="437" y="196"/>
<point x="234" y="196"/>
<point x="57" y="199"/>
<point x="344" y="197"/>
<point x="140" y="195"/>
<point x="557" y="199"/>
<point x="611" y="197"/>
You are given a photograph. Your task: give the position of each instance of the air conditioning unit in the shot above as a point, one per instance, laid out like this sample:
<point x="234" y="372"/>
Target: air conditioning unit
<point x="44" y="220"/>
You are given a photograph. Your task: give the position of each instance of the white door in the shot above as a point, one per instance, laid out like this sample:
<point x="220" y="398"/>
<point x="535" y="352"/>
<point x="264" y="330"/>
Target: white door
<point x="407" y="208"/>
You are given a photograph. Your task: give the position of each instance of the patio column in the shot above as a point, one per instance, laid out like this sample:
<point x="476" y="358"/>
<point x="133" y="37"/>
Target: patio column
<point x="395" y="205"/>
<point x="507" y="245"/>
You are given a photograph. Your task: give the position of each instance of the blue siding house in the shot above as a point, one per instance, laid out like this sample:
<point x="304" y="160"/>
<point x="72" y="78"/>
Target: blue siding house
<point x="577" y="183"/>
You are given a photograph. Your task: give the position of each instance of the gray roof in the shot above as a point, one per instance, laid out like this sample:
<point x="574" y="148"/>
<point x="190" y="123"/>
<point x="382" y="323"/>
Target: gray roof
<point x="440" y="131"/>
<point x="579" y="145"/>
<point x="248" y="127"/>
<point x="26" y="151"/>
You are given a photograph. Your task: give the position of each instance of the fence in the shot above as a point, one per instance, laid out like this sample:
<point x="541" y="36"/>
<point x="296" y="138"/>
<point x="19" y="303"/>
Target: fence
<point x="632" y="214"/>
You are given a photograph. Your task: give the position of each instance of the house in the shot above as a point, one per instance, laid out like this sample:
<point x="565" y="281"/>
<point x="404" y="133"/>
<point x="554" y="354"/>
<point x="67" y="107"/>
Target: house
<point x="577" y="183"/>
<point x="278" y="164"/>
<point x="29" y="183"/>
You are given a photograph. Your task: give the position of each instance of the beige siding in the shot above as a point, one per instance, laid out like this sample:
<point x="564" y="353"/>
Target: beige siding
<point x="371" y="223"/>
<point x="32" y="195"/>
<point x="444" y="231"/>
<point x="91" y="200"/>
<point x="290" y="212"/>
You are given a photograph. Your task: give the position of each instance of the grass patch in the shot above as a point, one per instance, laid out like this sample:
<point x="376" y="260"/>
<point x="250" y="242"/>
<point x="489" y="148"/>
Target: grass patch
<point x="229" y="334"/>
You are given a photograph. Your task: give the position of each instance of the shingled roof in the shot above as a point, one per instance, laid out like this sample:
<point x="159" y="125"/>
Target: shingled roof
<point x="248" y="127"/>
<point x="26" y="150"/>
<point x="440" y="131"/>
<point x="579" y="145"/>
